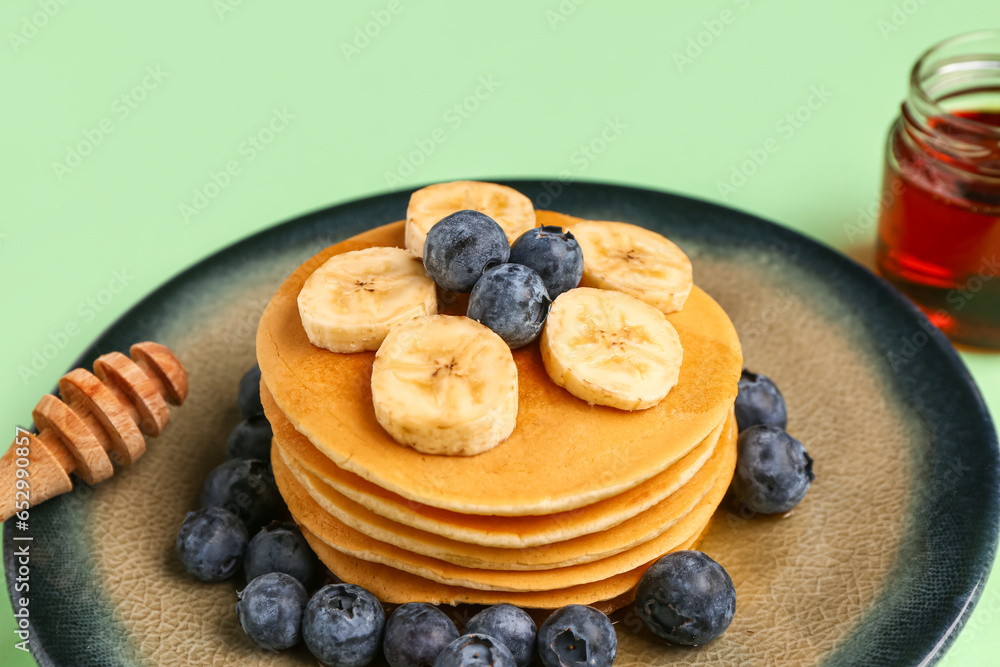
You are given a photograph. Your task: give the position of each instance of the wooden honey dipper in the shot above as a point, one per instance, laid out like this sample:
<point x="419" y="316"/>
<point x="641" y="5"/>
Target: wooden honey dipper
<point x="101" y="419"/>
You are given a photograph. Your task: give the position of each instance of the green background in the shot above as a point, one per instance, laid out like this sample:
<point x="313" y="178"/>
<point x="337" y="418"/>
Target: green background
<point x="561" y="72"/>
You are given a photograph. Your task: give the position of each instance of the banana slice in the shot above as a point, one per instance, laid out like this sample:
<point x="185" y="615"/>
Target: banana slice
<point x="609" y="348"/>
<point x="512" y="210"/>
<point x="445" y="385"/>
<point x="636" y="261"/>
<point x="351" y="302"/>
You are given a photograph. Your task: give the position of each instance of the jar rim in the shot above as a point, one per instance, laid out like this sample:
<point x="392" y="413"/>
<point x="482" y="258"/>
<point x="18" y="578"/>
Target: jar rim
<point x="917" y="80"/>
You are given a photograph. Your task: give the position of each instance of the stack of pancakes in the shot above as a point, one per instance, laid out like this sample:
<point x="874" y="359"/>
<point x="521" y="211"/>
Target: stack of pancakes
<point x="571" y="509"/>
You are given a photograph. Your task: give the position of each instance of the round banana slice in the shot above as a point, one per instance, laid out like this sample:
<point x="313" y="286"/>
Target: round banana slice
<point x="445" y="385"/>
<point x="511" y="210"/>
<point x="611" y="349"/>
<point x="351" y="302"/>
<point x="636" y="261"/>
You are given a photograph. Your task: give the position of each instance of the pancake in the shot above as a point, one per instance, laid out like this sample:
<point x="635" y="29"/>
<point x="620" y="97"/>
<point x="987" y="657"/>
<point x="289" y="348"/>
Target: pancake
<point x="585" y="549"/>
<point x="499" y="531"/>
<point x="394" y="586"/>
<point x="349" y="541"/>
<point x="598" y="452"/>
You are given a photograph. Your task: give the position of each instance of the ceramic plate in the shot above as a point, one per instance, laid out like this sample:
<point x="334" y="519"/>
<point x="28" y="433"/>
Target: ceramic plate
<point x="881" y="564"/>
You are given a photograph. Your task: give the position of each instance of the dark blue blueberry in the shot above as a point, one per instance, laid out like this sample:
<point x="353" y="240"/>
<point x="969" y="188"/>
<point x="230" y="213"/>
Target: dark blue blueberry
<point x="773" y="470"/>
<point x="280" y="547"/>
<point x="415" y="635"/>
<point x="211" y="543"/>
<point x="510" y="625"/>
<point x="270" y="610"/>
<point x="577" y="635"/>
<point x="686" y="598"/>
<point x="251" y="439"/>
<point x="461" y="247"/>
<point x="510" y="299"/>
<point x="475" y="650"/>
<point x="554" y="254"/>
<point x="249" y="397"/>
<point x="759" y="402"/>
<point x="245" y="488"/>
<point x="343" y="625"/>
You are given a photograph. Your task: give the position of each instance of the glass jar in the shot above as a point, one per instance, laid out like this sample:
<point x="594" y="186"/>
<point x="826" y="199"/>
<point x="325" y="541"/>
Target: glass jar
<point x="939" y="227"/>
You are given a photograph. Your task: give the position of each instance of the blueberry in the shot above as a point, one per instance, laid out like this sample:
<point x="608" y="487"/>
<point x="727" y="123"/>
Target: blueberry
<point x="577" y="635"/>
<point x="461" y="247"/>
<point x="245" y="488"/>
<point x="512" y="626"/>
<point x="415" y="635"/>
<point x="554" y="254"/>
<point x="510" y="299"/>
<point x="211" y="543"/>
<point x="249" y="397"/>
<point x="270" y="610"/>
<point x="343" y="625"/>
<point x="773" y="470"/>
<point x="251" y="439"/>
<point x="280" y="547"/>
<point x="759" y="402"/>
<point x="686" y="598"/>
<point x="475" y="650"/>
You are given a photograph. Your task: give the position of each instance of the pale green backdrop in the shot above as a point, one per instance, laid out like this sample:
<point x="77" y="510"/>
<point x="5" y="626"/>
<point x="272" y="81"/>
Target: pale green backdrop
<point x="163" y="95"/>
